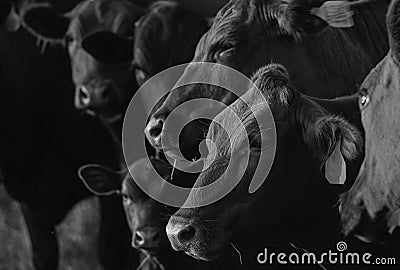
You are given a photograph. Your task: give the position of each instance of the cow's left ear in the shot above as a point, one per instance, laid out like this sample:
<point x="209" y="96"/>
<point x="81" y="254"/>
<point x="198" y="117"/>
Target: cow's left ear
<point x="296" y="17"/>
<point x="109" y="48"/>
<point x="44" y="21"/>
<point x="101" y="181"/>
<point x="333" y="141"/>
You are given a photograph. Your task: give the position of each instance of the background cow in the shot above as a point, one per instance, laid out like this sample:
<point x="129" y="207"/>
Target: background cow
<point x="296" y="202"/>
<point x="147" y="217"/>
<point x="371" y="207"/>
<point x="102" y="49"/>
<point x="100" y="59"/>
<point x="44" y="134"/>
<point x="323" y="61"/>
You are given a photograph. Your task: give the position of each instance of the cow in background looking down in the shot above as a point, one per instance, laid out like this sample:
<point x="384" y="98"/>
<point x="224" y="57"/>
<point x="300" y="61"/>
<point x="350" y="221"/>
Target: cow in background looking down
<point x="147" y="217"/>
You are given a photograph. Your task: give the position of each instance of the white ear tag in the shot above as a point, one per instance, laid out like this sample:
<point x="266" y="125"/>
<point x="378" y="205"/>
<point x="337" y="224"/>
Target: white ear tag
<point x="335" y="167"/>
<point x="336" y="13"/>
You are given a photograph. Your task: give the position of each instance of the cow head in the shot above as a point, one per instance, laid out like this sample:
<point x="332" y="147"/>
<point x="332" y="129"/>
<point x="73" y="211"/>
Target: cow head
<point x="146" y="217"/>
<point x="295" y="193"/>
<point x="99" y="35"/>
<point x="371" y="208"/>
<point x="246" y="35"/>
<point x="166" y="36"/>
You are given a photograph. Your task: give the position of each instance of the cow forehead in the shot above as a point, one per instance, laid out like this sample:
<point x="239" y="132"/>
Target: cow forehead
<point x="92" y="16"/>
<point x="231" y="18"/>
<point x="232" y="127"/>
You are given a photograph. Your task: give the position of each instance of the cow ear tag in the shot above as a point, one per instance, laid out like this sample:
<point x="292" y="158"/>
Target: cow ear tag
<point x="335" y="167"/>
<point x="337" y="14"/>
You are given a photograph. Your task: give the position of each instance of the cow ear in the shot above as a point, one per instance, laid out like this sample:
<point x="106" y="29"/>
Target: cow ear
<point x="393" y="23"/>
<point x="100" y="181"/>
<point x="333" y="141"/>
<point x="9" y="19"/>
<point x="297" y="17"/>
<point x="109" y="48"/>
<point x="44" y="21"/>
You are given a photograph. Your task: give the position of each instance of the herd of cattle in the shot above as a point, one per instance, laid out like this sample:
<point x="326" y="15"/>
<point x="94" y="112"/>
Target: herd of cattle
<point x="68" y="70"/>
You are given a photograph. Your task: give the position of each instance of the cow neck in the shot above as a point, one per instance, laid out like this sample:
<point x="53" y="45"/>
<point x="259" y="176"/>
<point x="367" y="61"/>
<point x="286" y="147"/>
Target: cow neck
<point x="320" y="226"/>
<point x="114" y="128"/>
<point x="317" y="225"/>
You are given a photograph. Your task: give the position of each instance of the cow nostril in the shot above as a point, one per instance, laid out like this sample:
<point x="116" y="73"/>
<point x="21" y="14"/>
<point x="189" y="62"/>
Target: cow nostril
<point x="84" y="95"/>
<point x="139" y="239"/>
<point x="186" y="234"/>
<point x="156" y="130"/>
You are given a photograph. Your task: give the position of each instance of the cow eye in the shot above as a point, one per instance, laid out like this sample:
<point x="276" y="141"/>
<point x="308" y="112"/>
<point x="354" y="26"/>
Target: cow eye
<point x="364" y="98"/>
<point x="225" y="54"/>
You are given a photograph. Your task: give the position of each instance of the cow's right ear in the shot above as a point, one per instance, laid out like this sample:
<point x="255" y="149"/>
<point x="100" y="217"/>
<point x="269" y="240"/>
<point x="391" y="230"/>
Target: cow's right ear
<point x="45" y="21"/>
<point x="109" y="48"/>
<point x="330" y="138"/>
<point x="101" y="181"/>
<point x="296" y="17"/>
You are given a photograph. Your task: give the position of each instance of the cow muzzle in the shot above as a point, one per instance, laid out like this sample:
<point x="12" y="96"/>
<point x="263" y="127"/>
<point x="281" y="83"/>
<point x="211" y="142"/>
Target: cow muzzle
<point x="181" y="234"/>
<point x="148" y="239"/>
<point x="86" y="98"/>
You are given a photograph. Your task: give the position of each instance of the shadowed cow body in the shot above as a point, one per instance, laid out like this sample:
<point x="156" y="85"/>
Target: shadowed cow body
<point x="43" y="142"/>
<point x="296" y="202"/>
<point x="95" y="32"/>
<point x="371" y="208"/>
<point x="323" y="61"/>
<point x="59" y="140"/>
<point x="147" y="217"/>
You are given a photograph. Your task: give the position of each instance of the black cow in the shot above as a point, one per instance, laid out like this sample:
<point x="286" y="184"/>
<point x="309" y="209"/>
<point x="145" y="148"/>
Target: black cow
<point x="316" y="140"/>
<point x="147" y="217"/>
<point x="44" y="141"/>
<point x="166" y="36"/>
<point x="371" y="208"/>
<point x="102" y="48"/>
<point x="323" y="61"/>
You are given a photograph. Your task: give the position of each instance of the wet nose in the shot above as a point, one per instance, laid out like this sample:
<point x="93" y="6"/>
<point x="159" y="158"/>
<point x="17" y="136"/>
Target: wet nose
<point x="153" y="131"/>
<point x="91" y="99"/>
<point x="82" y="97"/>
<point x="181" y="236"/>
<point x="146" y="238"/>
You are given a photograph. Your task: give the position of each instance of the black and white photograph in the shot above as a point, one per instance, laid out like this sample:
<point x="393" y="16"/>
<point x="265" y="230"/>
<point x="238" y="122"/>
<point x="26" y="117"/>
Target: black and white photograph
<point x="199" y="134"/>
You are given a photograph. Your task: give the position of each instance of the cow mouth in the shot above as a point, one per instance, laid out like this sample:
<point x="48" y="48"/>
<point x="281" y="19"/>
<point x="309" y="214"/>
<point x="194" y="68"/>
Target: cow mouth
<point x="154" y="251"/>
<point x="203" y="256"/>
